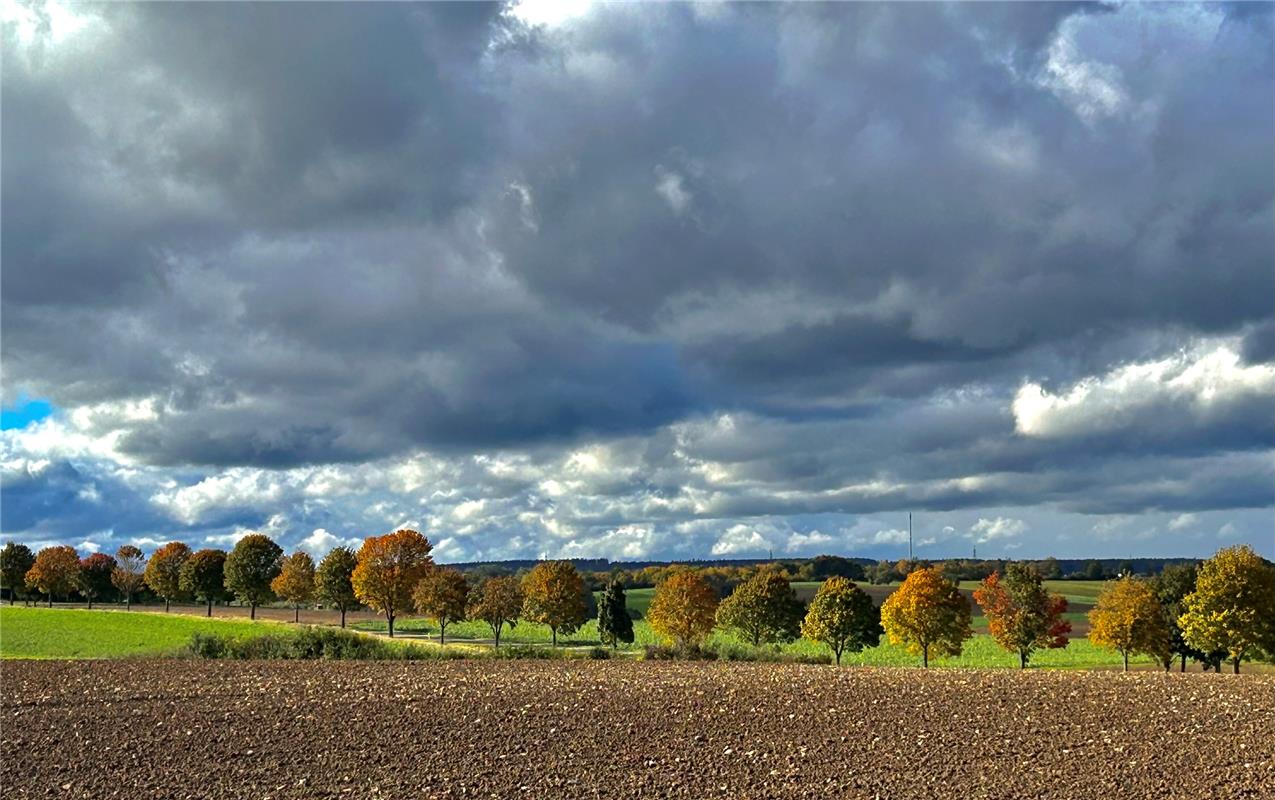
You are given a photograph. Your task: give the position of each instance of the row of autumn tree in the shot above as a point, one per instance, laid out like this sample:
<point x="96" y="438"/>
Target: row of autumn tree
<point x="1223" y="610"/>
<point x="390" y="574"/>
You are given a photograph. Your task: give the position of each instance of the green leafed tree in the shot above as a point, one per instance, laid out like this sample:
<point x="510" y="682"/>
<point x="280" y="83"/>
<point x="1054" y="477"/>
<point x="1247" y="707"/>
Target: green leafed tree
<point x="251" y="566"/>
<point x="614" y="623"/>
<point x="843" y="617"/>
<point x="15" y="560"/>
<point x="763" y="609"/>
<point x="332" y="583"/>
<point x="1171" y="587"/>
<point x="203" y="577"/>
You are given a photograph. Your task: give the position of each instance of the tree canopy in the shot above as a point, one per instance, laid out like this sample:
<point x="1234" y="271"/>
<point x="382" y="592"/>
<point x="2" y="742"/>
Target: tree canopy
<point x="683" y="609"/>
<point x="332" y="580"/>
<point x="94" y="578"/>
<point x="130" y="566"/>
<point x="763" y="609"/>
<point x="54" y="571"/>
<point x="843" y="617"/>
<point x="1128" y="618"/>
<point x="16" y="560"/>
<point x="163" y="571"/>
<point x="553" y="595"/>
<point x="295" y="582"/>
<point x="203" y="576"/>
<point x="615" y="625"/>
<point x="498" y="602"/>
<point x="928" y="614"/>
<point x="1233" y="606"/>
<point x="388" y="569"/>
<point x="251" y="567"/>
<point x="442" y="594"/>
<point x="1021" y="615"/>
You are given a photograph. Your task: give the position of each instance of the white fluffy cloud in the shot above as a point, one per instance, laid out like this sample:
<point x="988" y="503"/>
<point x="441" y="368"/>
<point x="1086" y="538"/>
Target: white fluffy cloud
<point x="739" y="539"/>
<point x="1000" y="528"/>
<point x="1199" y="386"/>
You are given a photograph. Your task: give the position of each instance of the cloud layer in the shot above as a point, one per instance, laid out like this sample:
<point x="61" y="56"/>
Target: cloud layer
<point x="642" y="281"/>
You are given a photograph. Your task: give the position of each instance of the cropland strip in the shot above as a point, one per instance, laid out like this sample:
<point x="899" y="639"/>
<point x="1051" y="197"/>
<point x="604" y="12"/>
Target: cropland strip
<point x="198" y="729"/>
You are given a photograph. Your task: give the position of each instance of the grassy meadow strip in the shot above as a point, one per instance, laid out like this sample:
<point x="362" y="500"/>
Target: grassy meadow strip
<point x="76" y="633"/>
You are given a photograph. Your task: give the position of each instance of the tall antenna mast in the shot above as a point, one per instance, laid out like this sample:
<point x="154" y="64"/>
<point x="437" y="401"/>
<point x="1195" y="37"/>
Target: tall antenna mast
<point x="909" y="536"/>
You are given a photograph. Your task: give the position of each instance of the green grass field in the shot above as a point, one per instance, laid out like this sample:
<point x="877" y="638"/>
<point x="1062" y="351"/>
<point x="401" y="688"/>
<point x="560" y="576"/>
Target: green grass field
<point x="75" y="633"/>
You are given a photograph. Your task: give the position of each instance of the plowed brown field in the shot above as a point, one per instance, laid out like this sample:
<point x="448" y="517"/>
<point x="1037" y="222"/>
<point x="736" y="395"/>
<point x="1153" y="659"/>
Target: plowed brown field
<point x="195" y="729"/>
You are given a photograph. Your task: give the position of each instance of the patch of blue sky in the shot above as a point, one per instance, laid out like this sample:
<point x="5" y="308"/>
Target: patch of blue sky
<point x="23" y="412"/>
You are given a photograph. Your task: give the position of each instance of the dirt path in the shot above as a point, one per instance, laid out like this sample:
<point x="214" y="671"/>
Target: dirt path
<point x="195" y="729"/>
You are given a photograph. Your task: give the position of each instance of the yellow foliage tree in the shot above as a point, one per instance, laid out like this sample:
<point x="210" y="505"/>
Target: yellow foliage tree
<point x="1127" y="618"/>
<point x="1233" y="606"/>
<point x="683" y="609"/>
<point x="928" y="614"/>
<point x="295" y="582"/>
<point x="388" y="569"/>
<point x="553" y="595"/>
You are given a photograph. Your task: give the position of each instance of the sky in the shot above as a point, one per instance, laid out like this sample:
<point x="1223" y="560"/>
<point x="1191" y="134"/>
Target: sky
<point x="640" y="282"/>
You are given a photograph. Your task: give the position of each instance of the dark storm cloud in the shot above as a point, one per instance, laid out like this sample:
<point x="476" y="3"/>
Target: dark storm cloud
<point x="338" y="234"/>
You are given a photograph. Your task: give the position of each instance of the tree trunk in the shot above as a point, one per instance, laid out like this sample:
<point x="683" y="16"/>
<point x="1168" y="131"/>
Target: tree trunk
<point x="296" y="614"/>
<point x="90" y="604"/>
<point x="128" y="602"/>
<point x="837" y="655"/>
<point x="165" y="605"/>
<point x="554" y="633"/>
<point x="50" y="599"/>
<point x="342" y="616"/>
<point x="442" y="633"/>
<point x="1183" y="663"/>
<point x="209" y="613"/>
<point x="390" y="618"/>
<point x="925" y="656"/>
<point x="1126" y="660"/>
<point x="1235" y="663"/>
<point x="252" y="610"/>
<point x="1022" y="660"/>
<point x="497" y="632"/>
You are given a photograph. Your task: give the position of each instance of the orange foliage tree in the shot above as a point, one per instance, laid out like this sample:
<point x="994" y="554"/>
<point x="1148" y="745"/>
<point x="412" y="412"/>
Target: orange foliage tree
<point x="1021" y="615"/>
<point x="498" y="602"/>
<point x="928" y="614"/>
<point x="163" y="571"/>
<point x="388" y="569"/>
<point x="54" y="571"/>
<point x="295" y="582"/>
<point x="442" y="594"/>
<point x="683" y="609"/>
<point x="553" y="595"/>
